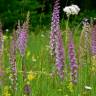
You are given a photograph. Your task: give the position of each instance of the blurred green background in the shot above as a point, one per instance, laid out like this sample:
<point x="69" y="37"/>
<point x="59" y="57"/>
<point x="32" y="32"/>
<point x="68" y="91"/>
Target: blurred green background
<point x="13" y="10"/>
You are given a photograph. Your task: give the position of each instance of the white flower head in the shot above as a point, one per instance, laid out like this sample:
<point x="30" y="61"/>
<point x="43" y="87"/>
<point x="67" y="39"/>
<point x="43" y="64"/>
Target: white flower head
<point x="76" y="7"/>
<point x="67" y="10"/>
<point x="73" y="9"/>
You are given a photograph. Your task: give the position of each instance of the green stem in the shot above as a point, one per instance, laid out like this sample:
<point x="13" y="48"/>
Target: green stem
<point x="67" y="29"/>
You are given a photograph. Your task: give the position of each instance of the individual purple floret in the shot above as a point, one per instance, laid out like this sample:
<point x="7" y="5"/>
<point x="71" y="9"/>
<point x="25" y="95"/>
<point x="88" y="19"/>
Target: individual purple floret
<point x="59" y="55"/>
<point x="54" y="26"/>
<point x="72" y="58"/>
<point x="27" y="89"/>
<point x="94" y="39"/>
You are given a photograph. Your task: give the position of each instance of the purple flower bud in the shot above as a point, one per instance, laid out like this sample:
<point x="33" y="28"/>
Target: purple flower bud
<point x="27" y="89"/>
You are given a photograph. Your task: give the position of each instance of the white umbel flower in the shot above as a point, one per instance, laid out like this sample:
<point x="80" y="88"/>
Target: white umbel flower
<point x="67" y="10"/>
<point x="78" y="9"/>
<point x="73" y="9"/>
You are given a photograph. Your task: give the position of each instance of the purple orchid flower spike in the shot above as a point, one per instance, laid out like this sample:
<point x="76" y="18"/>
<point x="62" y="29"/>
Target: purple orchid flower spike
<point x="72" y="57"/>
<point x="93" y="43"/>
<point x="23" y="35"/>
<point x="54" y="26"/>
<point x="56" y="43"/>
<point x="60" y="55"/>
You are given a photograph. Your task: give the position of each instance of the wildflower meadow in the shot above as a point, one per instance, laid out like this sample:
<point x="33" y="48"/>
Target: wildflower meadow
<point x="58" y="61"/>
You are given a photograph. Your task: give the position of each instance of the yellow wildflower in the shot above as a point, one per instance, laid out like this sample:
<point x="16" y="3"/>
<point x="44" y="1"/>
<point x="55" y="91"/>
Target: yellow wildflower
<point x="28" y="82"/>
<point x="93" y="59"/>
<point x="25" y="95"/>
<point x="5" y="37"/>
<point x="33" y="58"/>
<point x="6" y="93"/>
<point x="70" y="87"/>
<point x="30" y="76"/>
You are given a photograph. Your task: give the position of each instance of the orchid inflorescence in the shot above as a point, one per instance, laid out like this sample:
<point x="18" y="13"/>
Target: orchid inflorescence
<point x="56" y="42"/>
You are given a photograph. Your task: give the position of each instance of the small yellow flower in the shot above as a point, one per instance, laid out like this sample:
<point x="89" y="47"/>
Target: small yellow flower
<point x="93" y="69"/>
<point x="25" y="95"/>
<point x="70" y="87"/>
<point x="5" y="37"/>
<point x="33" y="58"/>
<point x="6" y="93"/>
<point x="93" y="59"/>
<point x="7" y="70"/>
<point x="10" y="76"/>
<point x="28" y="83"/>
<point x="6" y="88"/>
<point x="31" y="76"/>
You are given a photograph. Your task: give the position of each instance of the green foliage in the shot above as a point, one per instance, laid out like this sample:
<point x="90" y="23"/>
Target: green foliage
<point x="38" y="61"/>
<point x="12" y="10"/>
